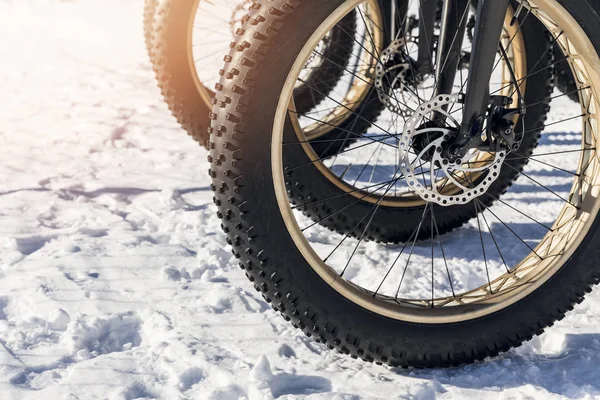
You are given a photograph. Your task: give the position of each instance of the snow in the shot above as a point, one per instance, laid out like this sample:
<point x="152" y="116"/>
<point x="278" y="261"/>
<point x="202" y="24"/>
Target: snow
<point x="115" y="278"/>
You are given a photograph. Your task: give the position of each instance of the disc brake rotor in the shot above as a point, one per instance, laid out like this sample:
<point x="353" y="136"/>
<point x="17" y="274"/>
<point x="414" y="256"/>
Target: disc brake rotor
<point x="391" y="77"/>
<point x="428" y="172"/>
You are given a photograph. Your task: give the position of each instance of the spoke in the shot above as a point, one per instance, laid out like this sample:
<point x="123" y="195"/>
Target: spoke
<point x="558" y="96"/>
<point x="487" y="271"/>
<point x="378" y="148"/>
<point x="412" y="248"/>
<point x="437" y="232"/>
<point x="348" y="109"/>
<point x="323" y="158"/>
<point x="216" y="16"/>
<point x="370" y="85"/>
<point x="216" y="41"/>
<point x="205" y="57"/>
<point x="545" y="187"/>
<point x="532" y="157"/>
<point x="494" y="239"/>
<point x="328" y="109"/>
<point x="362" y="17"/>
<point x="387" y="135"/>
<point x="346" y="171"/>
<point x="365" y="136"/>
<point x="414" y="73"/>
<point x="396" y="259"/>
<point x="551" y="166"/>
<point x="373" y="171"/>
<point x="513" y="37"/>
<point x="375" y="56"/>
<point x="550" y="48"/>
<point x="554" y="153"/>
<point x="337" y="66"/>
<point x="520" y="212"/>
<point x="355" y="226"/>
<point x="554" y="123"/>
<point x="402" y="22"/>
<point x="373" y="211"/>
<point x="483" y="247"/>
<point x="535" y="72"/>
<point x="508" y="227"/>
<point x="380" y="184"/>
<point x="432" y="263"/>
<point x="352" y="127"/>
<point x="342" y="209"/>
<point x="513" y="76"/>
<point x="522" y="157"/>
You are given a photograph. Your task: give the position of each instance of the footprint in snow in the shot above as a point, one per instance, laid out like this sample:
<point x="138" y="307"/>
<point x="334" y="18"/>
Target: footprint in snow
<point x="118" y="332"/>
<point x="263" y="380"/>
<point x="286" y="351"/>
<point x="28" y="245"/>
<point x="138" y="390"/>
<point x="190" y="377"/>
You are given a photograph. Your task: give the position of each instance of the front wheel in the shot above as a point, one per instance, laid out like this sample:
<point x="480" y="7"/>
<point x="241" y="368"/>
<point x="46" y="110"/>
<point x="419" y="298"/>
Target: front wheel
<point x="514" y="269"/>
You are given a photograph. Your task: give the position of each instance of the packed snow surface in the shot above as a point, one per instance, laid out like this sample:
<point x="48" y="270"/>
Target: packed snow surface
<point x="115" y="278"/>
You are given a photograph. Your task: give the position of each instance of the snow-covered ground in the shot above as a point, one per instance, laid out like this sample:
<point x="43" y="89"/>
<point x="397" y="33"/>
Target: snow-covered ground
<point x="115" y="279"/>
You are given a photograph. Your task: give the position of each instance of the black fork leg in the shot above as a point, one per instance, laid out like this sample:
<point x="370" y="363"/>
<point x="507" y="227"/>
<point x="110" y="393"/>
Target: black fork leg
<point x="488" y="28"/>
<point x="395" y="12"/>
<point x="400" y="13"/>
<point x="454" y="24"/>
<point x="427" y="14"/>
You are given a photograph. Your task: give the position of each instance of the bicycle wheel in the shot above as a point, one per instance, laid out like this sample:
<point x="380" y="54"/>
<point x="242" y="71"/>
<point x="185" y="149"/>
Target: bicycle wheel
<point x="189" y="38"/>
<point x="518" y="266"/>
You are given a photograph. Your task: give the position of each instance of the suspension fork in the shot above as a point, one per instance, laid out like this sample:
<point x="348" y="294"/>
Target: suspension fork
<point x="399" y="15"/>
<point x="427" y="16"/>
<point x="395" y="15"/>
<point x="488" y="29"/>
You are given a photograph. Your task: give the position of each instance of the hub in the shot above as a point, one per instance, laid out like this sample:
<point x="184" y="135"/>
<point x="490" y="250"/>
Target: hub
<point x="423" y="140"/>
<point x="397" y="77"/>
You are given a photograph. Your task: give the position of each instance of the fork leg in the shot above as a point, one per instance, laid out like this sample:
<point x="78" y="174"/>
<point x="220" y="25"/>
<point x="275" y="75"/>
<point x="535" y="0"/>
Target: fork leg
<point x="453" y="27"/>
<point x="427" y="14"/>
<point x="488" y="28"/>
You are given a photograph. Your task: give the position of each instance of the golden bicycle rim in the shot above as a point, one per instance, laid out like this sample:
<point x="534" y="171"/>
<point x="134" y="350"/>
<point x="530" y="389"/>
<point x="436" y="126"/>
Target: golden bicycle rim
<point x="553" y="250"/>
<point x="204" y="92"/>
<point x="516" y="51"/>
<point x="360" y="87"/>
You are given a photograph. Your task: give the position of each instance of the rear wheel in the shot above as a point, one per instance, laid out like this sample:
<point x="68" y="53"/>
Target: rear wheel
<point x="187" y="39"/>
<point x="517" y="267"/>
<point x="149" y="10"/>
